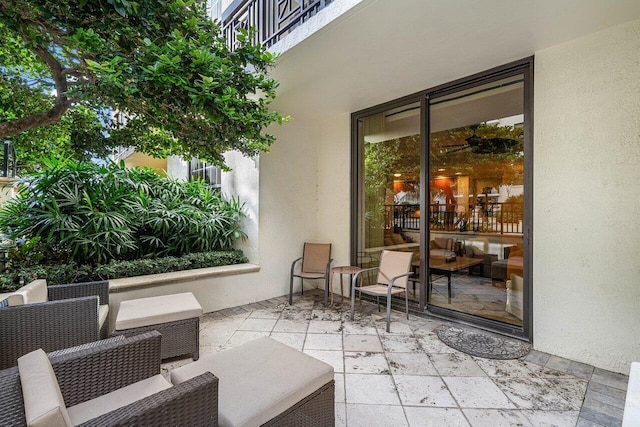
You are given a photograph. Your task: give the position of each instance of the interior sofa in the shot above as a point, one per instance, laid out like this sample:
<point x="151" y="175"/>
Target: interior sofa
<point x="512" y="263"/>
<point x="484" y="269"/>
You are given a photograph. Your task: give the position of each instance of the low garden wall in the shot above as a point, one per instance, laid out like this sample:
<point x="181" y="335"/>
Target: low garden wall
<point x="216" y="288"/>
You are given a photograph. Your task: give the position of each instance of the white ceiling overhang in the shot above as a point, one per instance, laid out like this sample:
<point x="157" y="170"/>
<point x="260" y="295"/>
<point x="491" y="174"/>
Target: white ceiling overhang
<point x="380" y="50"/>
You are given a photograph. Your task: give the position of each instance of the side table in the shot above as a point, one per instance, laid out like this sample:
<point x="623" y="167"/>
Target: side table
<point x="345" y="269"/>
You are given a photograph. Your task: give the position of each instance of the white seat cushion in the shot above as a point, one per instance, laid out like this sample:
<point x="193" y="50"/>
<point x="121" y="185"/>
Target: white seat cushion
<point x="31" y="293"/>
<point x="43" y="401"/>
<point x="103" y="314"/>
<point x="93" y="408"/>
<point x="140" y="312"/>
<point x="258" y="380"/>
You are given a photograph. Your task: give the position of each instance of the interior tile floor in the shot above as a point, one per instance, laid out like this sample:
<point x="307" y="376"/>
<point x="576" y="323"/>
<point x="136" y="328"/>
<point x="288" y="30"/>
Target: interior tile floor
<point x="475" y="295"/>
<point x="410" y="378"/>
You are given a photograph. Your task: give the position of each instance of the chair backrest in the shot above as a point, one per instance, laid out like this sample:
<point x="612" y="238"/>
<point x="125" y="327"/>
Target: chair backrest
<point x="315" y="257"/>
<point x="31" y="293"/>
<point x="393" y="263"/>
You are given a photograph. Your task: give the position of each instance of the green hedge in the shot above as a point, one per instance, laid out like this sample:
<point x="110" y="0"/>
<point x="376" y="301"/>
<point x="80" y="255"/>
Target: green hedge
<point x="71" y="273"/>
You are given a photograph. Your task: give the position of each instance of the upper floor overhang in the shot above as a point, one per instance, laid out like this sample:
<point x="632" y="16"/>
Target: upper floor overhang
<point x="346" y="55"/>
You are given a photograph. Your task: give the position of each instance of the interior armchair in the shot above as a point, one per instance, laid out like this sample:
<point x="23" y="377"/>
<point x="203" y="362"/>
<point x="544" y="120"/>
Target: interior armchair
<point x="52" y="318"/>
<point x="393" y="274"/>
<point x="315" y="265"/>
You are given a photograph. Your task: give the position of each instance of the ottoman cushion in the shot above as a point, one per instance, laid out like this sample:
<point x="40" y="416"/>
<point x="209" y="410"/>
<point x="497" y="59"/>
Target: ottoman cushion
<point x="140" y="312"/>
<point x="258" y="380"/>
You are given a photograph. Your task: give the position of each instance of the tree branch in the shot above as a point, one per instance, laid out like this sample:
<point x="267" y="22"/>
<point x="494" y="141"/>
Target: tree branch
<point x="54" y="114"/>
<point x="22" y="124"/>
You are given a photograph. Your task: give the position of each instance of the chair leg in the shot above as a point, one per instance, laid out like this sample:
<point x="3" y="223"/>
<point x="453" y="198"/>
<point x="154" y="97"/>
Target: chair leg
<point x="291" y="290"/>
<point x="353" y="304"/>
<point x="406" y="302"/>
<point x="326" y="289"/>
<point x="388" y="314"/>
<point x="378" y="298"/>
<point x="331" y="290"/>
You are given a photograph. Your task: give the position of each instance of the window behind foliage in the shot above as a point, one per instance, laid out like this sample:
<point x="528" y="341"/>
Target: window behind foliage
<point x="214" y="9"/>
<point x="206" y="172"/>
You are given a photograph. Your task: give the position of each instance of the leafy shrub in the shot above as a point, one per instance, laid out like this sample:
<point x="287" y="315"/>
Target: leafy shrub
<point x="85" y="213"/>
<point x="72" y="272"/>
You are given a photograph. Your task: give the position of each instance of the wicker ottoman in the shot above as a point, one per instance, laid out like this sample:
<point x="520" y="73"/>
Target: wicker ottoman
<point x="264" y="382"/>
<point x="176" y="317"/>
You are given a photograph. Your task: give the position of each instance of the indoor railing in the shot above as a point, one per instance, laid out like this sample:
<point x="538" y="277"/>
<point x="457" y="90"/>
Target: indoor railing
<point x="272" y="19"/>
<point x="499" y="218"/>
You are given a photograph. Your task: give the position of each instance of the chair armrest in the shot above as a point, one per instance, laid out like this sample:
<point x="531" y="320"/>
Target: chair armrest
<point x="293" y="265"/>
<point x="11" y="401"/>
<point x="355" y="276"/>
<point x="100" y="369"/>
<point x="394" y="278"/>
<point x="354" y="281"/>
<point x="193" y="402"/>
<point x="76" y="290"/>
<point x="50" y="325"/>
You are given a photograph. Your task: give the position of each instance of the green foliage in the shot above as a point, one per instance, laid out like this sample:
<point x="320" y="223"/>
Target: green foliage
<point x="78" y="135"/>
<point x="72" y="272"/>
<point x="92" y="214"/>
<point x="161" y="63"/>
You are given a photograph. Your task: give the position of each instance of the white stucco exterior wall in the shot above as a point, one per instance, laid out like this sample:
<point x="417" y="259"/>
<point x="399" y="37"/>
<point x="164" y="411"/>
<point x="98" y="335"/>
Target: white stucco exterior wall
<point x="334" y="198"/>
<point x="243" y="183"/>
<point x="586" y="245"/>
<point x="279" y="190"/>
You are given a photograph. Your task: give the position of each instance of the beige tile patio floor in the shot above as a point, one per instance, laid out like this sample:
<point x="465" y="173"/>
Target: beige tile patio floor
<point x="410" y="378"/>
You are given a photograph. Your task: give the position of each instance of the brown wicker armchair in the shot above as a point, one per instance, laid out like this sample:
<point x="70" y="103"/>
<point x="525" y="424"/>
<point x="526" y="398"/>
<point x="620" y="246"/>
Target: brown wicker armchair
<point x="71" y="316"/>
<point x="92" y="370"/>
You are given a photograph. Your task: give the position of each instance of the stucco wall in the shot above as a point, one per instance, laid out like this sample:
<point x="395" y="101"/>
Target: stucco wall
<point x="586" y="268"/>
<point x="334" y="205"/>
<point x="281" y="213"/>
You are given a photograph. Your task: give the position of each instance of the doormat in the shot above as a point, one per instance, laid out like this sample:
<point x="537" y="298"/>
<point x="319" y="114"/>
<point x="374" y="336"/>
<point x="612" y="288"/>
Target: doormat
<point x="482" y="344"/>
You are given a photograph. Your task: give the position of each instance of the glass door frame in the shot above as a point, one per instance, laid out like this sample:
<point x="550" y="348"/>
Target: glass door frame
<point x="524" y="67"/>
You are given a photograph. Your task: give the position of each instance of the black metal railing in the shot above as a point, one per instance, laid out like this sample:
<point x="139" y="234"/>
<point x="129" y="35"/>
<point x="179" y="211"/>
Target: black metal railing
<point x="8" y="163"/>
<point x="272" y="19"/>
<point x="499" y="218"/>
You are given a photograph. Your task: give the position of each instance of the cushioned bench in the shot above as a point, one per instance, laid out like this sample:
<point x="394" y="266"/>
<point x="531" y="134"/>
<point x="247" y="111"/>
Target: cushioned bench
<point x="176" y="317"/>
<point x="264" y="382"/>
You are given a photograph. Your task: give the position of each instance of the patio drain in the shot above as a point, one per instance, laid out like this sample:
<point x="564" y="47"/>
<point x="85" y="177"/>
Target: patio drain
<point x="482" y="344"/>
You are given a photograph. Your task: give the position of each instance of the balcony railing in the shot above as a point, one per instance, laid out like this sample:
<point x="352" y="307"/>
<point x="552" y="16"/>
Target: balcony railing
<point x="499" y="218"/>
<point x="8" y="161"/>
<point x="272" y="19"/>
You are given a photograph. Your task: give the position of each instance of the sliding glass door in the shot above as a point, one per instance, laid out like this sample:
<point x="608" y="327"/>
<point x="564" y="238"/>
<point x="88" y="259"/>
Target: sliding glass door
<point x="476" y="199"/>
<point x="444" y="174"/>
<point x="390" y="193"/>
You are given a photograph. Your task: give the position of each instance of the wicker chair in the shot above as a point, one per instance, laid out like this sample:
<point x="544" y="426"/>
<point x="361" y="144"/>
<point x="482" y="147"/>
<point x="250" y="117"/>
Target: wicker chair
<point x="70" y="317"/>
<point x="95" y="369"/>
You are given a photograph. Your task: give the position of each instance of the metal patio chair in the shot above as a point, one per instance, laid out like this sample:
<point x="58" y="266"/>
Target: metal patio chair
<point x="316" y="264"/>
<point x="393" y="273"/>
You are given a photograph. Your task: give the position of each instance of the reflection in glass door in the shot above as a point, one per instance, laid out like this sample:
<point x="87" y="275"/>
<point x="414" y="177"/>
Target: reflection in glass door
<point x="389" y="186"/>
<point x="476" y="199"/>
